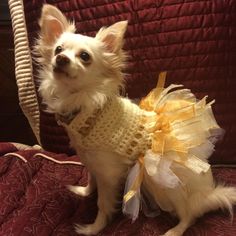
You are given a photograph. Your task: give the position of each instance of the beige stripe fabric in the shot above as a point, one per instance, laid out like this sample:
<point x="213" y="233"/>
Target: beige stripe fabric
<point x="23" y="67"/>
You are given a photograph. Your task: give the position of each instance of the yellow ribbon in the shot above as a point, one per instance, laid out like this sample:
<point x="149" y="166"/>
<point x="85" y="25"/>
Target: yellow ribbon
<point x="148" y="102"/>
<point x="137" y="182"/>
<point x="163" y="139"/>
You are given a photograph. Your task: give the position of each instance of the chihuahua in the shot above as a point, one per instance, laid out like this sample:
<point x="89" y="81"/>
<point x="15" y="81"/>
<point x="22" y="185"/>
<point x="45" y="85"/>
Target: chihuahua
<point x="80" y="77"/>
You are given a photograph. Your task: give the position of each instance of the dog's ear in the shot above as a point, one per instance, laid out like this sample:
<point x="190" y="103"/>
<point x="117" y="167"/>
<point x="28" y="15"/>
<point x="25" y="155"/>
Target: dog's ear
<point x="53" y="23"/>
<point x="113" y="36"/>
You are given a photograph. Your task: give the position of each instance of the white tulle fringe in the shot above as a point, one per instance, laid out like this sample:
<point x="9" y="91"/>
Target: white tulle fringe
<point x="184" y="123"/>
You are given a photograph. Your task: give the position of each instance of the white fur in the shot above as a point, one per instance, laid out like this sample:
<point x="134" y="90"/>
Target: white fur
<point x="88" y="87"/>
<point x="85" y="86"/>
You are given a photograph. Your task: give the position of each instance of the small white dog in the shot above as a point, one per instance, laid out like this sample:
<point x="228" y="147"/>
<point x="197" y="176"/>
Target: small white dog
<point x="81" y="79"/>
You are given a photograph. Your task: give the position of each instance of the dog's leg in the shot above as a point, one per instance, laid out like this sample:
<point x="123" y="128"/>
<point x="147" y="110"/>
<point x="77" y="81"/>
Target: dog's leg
<point x="180" y="228"/>
<point x="84" y="191"/>
<point x="109" y="171"/>
<point x="186" y="218"/>
<point x="199" y="203"/>
<point x="107" y="200"/>
<point x="176" y="199"/>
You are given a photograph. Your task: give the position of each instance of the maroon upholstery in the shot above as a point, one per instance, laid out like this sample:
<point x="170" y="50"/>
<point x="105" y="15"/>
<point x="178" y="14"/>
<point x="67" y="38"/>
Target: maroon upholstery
<point x="35" y="201"/>
<point x="195" y="41"/>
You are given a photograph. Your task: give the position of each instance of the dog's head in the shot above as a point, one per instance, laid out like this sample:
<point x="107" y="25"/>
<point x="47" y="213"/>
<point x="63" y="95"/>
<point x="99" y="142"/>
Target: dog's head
<point x="74" y="63"/>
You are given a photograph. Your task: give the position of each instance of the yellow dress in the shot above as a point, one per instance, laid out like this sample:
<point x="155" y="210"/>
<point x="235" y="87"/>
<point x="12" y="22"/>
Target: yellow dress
<point x="184" y="131"/>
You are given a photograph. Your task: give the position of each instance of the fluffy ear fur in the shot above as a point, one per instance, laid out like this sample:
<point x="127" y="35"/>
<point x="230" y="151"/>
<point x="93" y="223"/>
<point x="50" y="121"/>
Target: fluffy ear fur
<point x="113" y="36"/>
<point x="52" y="23"/>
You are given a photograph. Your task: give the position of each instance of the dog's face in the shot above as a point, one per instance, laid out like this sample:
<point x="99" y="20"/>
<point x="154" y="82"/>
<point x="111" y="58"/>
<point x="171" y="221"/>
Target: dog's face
<point x="76" y="61"/>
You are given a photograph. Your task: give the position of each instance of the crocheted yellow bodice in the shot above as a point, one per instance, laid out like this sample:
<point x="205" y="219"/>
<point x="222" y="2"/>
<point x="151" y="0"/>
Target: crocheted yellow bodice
<point x="117" y="127"/>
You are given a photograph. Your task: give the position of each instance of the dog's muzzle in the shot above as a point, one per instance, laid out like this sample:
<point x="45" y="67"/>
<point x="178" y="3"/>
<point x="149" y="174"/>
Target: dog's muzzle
<point x="62" y="60"/>
<point x="60" y="63"/>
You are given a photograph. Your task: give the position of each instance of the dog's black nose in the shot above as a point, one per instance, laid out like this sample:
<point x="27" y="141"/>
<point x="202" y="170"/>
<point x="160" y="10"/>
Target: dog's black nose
<point x="62" y="60"/>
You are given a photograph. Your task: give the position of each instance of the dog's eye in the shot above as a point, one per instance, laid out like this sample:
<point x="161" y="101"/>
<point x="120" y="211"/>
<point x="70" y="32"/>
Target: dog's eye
<point x="58" y="50"/>
<point x="84" y="56"/>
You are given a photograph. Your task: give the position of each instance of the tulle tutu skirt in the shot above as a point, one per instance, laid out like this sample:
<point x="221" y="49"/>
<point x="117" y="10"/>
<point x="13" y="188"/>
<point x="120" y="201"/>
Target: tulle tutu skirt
<point x="183" y="130"/>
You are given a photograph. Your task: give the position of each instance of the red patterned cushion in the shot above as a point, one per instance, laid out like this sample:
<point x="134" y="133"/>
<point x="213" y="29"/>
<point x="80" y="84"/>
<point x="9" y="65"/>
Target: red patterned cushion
<point x="35" y="201"/>
<point x="193" y="40"/>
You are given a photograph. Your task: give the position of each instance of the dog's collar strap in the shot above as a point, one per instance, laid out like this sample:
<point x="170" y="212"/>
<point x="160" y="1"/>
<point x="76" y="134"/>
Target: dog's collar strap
<point x="66" y="117"/>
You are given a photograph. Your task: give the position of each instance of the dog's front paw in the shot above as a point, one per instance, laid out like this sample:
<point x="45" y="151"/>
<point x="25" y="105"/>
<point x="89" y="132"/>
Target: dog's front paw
<point x="90" y="229"/>
<point x="172" y="232"/>
<point x="79" y="190"/>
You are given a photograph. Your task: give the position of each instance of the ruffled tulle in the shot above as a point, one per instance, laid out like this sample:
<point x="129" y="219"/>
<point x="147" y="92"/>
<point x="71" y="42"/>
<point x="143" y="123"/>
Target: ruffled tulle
<point x="132" y="206"/>
<point x="184" y="131"/>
